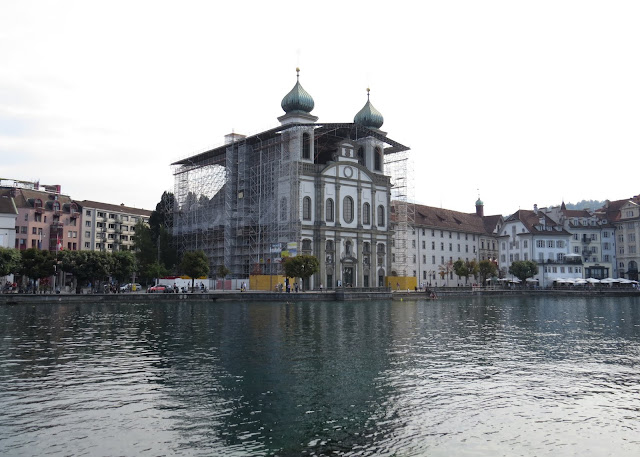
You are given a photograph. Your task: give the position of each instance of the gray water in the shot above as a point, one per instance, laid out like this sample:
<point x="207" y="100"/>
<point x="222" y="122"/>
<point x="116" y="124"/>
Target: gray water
<point x="470" y="377"/>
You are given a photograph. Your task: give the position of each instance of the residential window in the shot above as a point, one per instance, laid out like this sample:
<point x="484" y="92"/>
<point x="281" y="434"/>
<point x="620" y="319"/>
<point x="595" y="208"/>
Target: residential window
<point x="433" y="245"/>
<point x="413" y="243"/>
<point x="424" y="244"/>
<point x="539" y="243"/>
<point x="424" y="259"/>
<point x="525" y="244"/>
<point x="23" y="229"/>
<point x="433" y="259"/>
<point x="87" y="244"/>
<point x="33" y="230"/>
<point x="550" y="243"/>
<point x="559" y="244"/>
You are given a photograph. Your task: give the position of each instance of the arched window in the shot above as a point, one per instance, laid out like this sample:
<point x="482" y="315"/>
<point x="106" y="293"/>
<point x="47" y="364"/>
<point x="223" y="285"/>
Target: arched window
<point x="347" y="209"/>
<point x="366" y="214"/>
<point x="362" y="160"/>
<point x="283" y="209"/>
<point x="377" y="157"/>
<point x="37" y="203"/>
<point x="306" y="146"/>
<point x="381" y="248"/>
<point x="381" y="216"/>
<point x="329" y="210"/>
<point x="56" y="206"/>
<point x="306" y="208"/>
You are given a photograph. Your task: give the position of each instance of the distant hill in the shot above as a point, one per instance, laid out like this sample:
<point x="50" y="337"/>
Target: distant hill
<point x="591" y="204"/>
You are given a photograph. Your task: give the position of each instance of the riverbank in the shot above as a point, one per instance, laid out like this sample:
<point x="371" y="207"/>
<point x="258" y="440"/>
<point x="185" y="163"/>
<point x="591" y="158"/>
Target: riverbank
<point x="331" y="295"/>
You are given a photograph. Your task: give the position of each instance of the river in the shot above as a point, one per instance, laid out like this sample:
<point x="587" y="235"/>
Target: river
<point x="454" y="377"/>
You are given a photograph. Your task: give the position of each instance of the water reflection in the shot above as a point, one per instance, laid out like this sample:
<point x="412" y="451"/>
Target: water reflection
<point x="451" y="377"/>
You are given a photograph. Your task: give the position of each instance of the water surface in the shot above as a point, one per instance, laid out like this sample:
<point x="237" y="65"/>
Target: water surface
<point x="464" y="377"/>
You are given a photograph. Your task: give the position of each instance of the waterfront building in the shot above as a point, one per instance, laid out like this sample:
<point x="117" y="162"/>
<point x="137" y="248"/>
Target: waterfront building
<point x="438" y="237"/>
<point x="109" y="228"/>
<point x="625" y="216"/>
<point x="592" y="241"/>
<point x="534" y="235"/>
<point x="307" y="187"/>
<point x="46" y="218"/>
<point x="8" y="216"/>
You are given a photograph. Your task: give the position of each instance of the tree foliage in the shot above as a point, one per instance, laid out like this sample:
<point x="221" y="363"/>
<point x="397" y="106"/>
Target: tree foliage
<point x="486" y="269"/>
<point x="194" y="264"/>
<point x="523" y="269"/>
<point x="10" y="260"/>
<point x="37" y="263"/>
<point x="301" y="266"/>
<point x="123" y="265"/>
<point x="465" y="268"/>
<point x="445" y="269"/>
<point x="87" y="265"/>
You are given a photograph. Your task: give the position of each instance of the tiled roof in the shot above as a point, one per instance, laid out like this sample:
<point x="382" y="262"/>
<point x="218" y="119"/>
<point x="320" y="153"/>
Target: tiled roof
<point x="116" y="208"/>
<point x="446" y="219"/>
<point x="531" y="221"/>
<point x="7" y="205"/>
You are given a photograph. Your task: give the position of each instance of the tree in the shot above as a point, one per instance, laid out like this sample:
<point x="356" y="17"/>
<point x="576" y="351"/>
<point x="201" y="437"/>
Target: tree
<point x="194" y="264"/>
<point x="9" y="261"/>
<point x="146" y="249"/>
<point x="523" y="269"/>
<point x="486" y="269"/>
<point x="87" y="266"/>
<point x="222" y="272"/>
<point x="445" y="269"/>
<point x="301" y="266"/>
<point x="37" y="263"/>
<point x="123" y="265"/>
<point x="461" y="268"/>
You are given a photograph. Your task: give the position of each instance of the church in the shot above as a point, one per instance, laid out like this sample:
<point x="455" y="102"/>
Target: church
<point x="303" y="187"/>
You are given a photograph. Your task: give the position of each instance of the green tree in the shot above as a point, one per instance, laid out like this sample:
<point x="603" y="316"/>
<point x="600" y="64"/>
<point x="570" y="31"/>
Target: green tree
<point x="301" y="266"/>
<point x="37" y="263"/>
<point x="194" y="264"/>
<point x="222" y="272"/>
<point x="486" y="269"/>
<point x="461" y="268"/>
<point x="445" y="269"/>
<point x="160" y="221"/>
<point x="146" y="249"/>
<point x="523" y="269"/>
<point x="123" y="265"/>
<point x="9" y="261"/>
<point x="87" y="266"/>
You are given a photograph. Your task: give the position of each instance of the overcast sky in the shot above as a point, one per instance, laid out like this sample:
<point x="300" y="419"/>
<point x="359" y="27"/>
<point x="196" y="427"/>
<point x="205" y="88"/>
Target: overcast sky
<point x="521" y="102"/>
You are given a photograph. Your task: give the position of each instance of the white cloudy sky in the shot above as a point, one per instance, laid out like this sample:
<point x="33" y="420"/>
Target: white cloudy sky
<point x="527" y="101"/>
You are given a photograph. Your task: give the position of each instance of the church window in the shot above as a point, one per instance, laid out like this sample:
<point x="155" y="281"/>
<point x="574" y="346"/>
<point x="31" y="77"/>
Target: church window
<point x="361" y="157"/>
<point x="378" y="159"/>
<point x="306" y="146"/>
<point x="283" y="209"/>
<point x="347" y="209"/>
<point x="329" y="210"/>
<point x="381" y="216"/>
<point x="306" y="208"/>
<point x="366" y="214"/>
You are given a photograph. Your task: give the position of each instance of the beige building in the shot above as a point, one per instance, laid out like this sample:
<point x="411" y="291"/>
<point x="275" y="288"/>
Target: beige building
<point x="107" y="227"/>
<point x="625" y="216"/>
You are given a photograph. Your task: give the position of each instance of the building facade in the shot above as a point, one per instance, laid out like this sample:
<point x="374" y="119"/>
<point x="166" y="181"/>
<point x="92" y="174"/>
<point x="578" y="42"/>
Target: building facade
<point x="109" y="228"/>
<point x="301" y="188"/>
<point x="438" y="237"/>
<point x="624" y="215"/>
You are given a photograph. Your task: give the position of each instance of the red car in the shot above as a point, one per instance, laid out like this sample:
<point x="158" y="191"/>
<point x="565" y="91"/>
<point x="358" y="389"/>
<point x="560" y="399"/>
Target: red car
<point x="157" y="289"/>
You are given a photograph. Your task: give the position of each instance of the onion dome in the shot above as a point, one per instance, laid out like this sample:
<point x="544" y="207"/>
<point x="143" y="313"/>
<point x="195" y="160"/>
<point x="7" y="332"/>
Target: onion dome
<point x="479" y="202"/>
<point x="297" y="99"/>
<point x="368" y="116"/>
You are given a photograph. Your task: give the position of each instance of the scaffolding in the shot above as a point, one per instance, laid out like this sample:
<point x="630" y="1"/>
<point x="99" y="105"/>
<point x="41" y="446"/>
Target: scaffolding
<point x="400" y="168"/>
<point x="240" y="203"/>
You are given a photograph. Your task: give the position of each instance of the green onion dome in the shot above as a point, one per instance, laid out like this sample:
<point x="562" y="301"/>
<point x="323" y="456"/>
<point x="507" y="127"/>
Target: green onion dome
<point x="297" y="99"/>
<point x="479" y="202"/>
<point x="368" y="116"/>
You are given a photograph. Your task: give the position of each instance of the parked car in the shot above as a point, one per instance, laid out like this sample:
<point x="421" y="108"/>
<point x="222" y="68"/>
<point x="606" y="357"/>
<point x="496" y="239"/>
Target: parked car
<point x="129" y="287"/>
<point x="157" y="289"/>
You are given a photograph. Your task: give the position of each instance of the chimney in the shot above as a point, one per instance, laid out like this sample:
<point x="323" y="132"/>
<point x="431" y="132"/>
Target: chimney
<point x="535" y="209"/>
